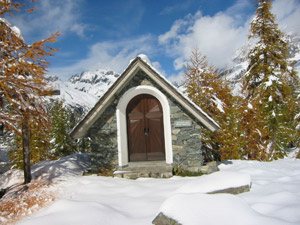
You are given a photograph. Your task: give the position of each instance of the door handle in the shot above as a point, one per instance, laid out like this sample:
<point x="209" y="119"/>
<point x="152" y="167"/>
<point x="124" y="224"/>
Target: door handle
<point x="146" y="131"/>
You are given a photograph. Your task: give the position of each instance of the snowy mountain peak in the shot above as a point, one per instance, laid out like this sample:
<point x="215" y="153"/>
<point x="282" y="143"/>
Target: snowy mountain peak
<point x="93" y="82"/>
<point x="94" y="77"/>
<point x="82" y="90"/>
<point x="51" y="78"/>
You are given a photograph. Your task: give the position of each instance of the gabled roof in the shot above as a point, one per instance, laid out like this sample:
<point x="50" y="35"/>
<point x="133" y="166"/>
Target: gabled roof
<point x="139" y="63"/>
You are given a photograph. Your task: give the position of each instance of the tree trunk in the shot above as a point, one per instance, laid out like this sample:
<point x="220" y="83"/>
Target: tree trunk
<point x="26" y="149"/>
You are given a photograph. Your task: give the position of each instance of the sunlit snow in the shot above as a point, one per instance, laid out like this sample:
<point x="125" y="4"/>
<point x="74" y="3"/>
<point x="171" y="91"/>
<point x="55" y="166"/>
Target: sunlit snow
<point x="274" y="197"/>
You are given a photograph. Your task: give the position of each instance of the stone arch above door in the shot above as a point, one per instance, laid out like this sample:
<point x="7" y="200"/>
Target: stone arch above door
<point x="122" y="126"/>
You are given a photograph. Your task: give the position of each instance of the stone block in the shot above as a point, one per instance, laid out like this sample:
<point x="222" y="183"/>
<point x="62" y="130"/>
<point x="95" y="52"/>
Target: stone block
<point x="119" y="175"/>
<point x="196" y="163"/>
<point x="175" y="131"/>
<point x="193" y="169"/>
<point x="234" y="190"/>
<point x="130" y="175"/>
<point x="210" y="167"/>
<point x="212" y="164"/>
<point x="177" y="147"/>
<point x="155" y="175"/>
<point x="174" y="109"/>
<point x="166" y="175"/>
<point x="162" y="219"/>
<point x="145" y="175"/>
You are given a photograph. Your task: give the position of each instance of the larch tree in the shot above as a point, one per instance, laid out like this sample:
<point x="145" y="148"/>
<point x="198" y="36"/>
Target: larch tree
<point x="39" y="142"/>
<point x="267" y="85"/>
<point x="22" y="82"/>
<point x="206" y="88"/>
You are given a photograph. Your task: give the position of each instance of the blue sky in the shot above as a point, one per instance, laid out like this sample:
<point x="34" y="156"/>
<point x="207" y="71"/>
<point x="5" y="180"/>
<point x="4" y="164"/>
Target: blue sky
<point x="101" y="34"/>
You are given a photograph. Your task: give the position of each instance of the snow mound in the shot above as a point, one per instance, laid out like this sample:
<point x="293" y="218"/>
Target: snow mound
<point x="72" y="165"/>
<point x="78" y="213"/>
<point x="11" y="178"/>
<point x="213" y="209"/>
<point x="214" y="182"/>
<point x="49" y="171"/>
<point x="274" y="197"/>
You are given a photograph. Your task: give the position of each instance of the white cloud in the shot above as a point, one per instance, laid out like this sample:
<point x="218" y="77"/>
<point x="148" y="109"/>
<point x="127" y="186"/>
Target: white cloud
<point x="220" y="35"/>
<point x="240" y="10"/>
<point x="50" y="16"/>
<point x="178" y="26"/>
<point x="159" y="68"/>
<point x="176" y="7"/>
<point x="79" y="29"/>
<point x="217" y="37"/>
<point x="288" y="15"/>
<point x="177" y="78"/>
<point x="113" y="55"/>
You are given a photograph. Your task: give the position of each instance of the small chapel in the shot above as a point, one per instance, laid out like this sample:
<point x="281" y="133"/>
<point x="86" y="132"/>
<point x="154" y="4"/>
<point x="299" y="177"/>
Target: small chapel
<point x="143" y="126"/>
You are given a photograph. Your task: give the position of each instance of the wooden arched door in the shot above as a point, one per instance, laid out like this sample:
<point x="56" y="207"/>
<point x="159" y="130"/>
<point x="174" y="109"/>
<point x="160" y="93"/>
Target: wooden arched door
<point x="145" y="129"/>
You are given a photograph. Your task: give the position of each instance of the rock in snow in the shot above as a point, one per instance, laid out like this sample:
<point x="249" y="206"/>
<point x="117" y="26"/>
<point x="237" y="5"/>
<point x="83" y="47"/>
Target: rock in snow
<point x="197" y="208"/>
<point x="216" y="182"/>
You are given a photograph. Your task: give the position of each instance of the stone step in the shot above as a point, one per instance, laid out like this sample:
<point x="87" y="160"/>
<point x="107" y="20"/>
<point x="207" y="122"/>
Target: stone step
<point x="154" y="169"/>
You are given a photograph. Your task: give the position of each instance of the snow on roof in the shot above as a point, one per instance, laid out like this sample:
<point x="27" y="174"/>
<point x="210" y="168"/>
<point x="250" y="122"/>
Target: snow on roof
<point x="145" y="58"/>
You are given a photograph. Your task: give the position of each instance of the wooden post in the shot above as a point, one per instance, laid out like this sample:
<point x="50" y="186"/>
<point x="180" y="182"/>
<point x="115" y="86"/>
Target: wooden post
<point x="26" y="148"/>
<point x="26" y="141"/>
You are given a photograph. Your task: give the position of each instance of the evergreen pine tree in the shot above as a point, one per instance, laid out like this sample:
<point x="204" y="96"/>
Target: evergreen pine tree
<point x="61" y="122"/>
<point x="267" y="84"/>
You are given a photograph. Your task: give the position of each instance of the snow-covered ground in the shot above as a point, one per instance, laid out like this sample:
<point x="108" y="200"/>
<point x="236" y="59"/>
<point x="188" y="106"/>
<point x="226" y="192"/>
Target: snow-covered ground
<point x="274" y="197"/>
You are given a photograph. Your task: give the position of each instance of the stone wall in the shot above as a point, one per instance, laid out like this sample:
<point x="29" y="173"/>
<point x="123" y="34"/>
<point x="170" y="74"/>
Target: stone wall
<point x="186" y="140"/>
<point x="103" y="136"/>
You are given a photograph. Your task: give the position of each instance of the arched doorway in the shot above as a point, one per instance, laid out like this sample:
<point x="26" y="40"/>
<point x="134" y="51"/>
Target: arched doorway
<point x="145" y="129"/>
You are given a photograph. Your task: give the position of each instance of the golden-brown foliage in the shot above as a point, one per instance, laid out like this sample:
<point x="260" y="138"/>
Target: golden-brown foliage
<point x="39" y="144"/>
<point x="212" y="93"/>
<point x="22" y="81"/>
<point x="22" y="67"/>
<point x="23" y="201"/>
